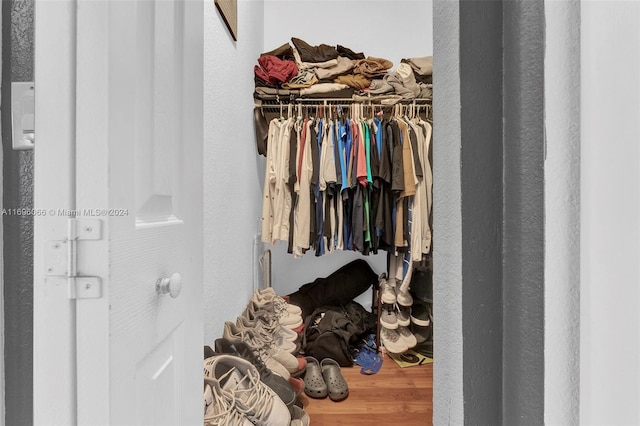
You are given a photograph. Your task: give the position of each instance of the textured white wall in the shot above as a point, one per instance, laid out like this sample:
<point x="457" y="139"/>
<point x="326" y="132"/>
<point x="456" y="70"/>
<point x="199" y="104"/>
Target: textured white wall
<point x="610" y="213"/>
<point x="448" y="402"/>
<point x="232" y="171"/>
<point x="562" y="213"/>
<point x="391" y="29"/>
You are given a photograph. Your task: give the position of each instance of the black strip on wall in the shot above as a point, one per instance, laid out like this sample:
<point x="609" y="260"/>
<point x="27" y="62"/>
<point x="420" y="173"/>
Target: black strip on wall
<point x="17" y="65"/>
<point x="523" y="288"/>
<point x="481" y="180"/>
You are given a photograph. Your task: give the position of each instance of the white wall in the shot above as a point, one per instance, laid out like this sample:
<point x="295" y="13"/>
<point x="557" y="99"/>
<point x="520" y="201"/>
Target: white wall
<point x="391" y="29"/>
<point x="610" y="213"/>
<point x="562" y="213"/>
<point x="232" y="171"/>
<point x="448" y="370"/>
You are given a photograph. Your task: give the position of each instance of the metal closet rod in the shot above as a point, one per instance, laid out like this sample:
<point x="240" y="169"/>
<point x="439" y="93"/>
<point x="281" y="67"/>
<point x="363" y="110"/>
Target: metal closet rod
<point x="352" y="100"/>
<point x="330" y="101"/>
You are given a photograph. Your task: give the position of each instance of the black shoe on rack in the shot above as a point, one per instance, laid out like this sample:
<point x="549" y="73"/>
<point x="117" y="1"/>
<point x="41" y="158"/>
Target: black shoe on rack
<point x="240" y="349"/>
<point x="420" y="314"/>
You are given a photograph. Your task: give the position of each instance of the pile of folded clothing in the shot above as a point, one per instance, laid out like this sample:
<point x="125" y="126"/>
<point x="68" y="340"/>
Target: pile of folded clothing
<point x="303" y="70"/>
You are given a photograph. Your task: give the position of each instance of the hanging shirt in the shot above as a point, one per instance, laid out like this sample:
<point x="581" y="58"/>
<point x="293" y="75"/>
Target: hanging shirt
<point x="419" y="201"/>
<point x="428" y="183"/>
<point x="303" y="189"/>
<point x="409" y="174"/>
<point x="378" y="132"/>
<point x="336" y="151"/>
<point x="361" y="155"/>
<point x="283" y="193"/>
<point x="367" y="147"/>
<point x="342" y="153"/>
<point x="319" y="240"/>
<point x="348" y="154"/>
<point x="276" y="203"/>
<point x="397" y="167"/>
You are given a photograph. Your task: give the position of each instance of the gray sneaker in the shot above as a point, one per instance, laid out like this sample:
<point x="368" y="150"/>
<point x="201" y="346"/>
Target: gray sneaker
<point x="389" y="319"/>
<point x="404" y="313"/>
<point x="220" y="408"/>
<point x="407" y="337"/>
<point x="404" y="298"/>
<point x="299" y="417"/>
<point x="391" y="341"/>
<point x="255" y="400"/>
<point x="387" y="291"/>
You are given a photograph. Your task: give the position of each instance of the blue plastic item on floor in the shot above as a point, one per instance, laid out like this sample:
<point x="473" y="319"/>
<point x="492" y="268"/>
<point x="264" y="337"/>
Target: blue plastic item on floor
<point x="368" y="358"/>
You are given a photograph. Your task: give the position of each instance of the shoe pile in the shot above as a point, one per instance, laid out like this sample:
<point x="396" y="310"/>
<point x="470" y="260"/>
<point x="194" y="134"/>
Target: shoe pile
<point x="252" y="374"/>
<point x="395" y="335"/>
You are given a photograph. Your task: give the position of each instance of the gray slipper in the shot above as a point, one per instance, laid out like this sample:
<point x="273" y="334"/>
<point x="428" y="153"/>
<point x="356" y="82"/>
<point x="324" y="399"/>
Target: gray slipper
<point x="314" y="385"/>
<point x="336" y="384"/>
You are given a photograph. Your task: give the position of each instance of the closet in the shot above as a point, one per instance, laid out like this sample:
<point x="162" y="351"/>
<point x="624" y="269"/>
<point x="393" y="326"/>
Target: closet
<point x="302" y="123"/>
<point x="351" y="174"/>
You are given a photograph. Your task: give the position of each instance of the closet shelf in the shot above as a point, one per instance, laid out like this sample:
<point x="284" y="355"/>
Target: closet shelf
<point x="378" y="101"/>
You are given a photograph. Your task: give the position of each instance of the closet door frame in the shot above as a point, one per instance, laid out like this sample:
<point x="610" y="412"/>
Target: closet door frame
<point x="498" y="272"/>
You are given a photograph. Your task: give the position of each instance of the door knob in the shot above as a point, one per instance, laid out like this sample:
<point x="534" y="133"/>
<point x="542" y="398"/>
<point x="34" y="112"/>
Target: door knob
<point x="172" y="285"/>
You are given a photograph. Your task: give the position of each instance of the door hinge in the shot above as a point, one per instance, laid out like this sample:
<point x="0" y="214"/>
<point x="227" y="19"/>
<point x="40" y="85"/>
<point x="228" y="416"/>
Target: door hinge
<point x="61" y="258"/>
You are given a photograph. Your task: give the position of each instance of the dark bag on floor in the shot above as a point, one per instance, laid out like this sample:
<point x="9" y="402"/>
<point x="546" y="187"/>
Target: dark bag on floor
<point x="339" y="288"/>
<point x="334" y="332"/>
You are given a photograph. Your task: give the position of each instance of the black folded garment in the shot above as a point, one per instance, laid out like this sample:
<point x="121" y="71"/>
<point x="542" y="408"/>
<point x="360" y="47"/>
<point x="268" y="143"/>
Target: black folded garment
<point x="339" y="288"/>
<point x="262" y="83"/>
<point x="284" y="52"/>
<point x="348" y="53"/>
<point x="308" y="53"/>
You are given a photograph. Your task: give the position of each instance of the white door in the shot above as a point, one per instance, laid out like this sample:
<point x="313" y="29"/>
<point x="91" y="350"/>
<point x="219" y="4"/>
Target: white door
<point x="119" y="123"/>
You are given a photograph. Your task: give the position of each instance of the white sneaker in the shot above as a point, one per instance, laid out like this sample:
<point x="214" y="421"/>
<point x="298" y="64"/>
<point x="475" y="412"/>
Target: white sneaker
<point x="234" y="334"/>
<point x="391" y="341"/>
<point x="280" y="351"/>
<point x="299" y="417"/>
<point x="387" y="291"/>
<point x="219" y="406"/>
<point x="285" y="318"/>
<point x="269" y="295"/>
<point x="404" y="298"/>
<point x="407" y="337"/>
<point x="289" y="361"/>
<point x="266" y="335"/>
<point x="269" y="322"/>
<point x="255" y="400"/>
<point x="290" y="321"/>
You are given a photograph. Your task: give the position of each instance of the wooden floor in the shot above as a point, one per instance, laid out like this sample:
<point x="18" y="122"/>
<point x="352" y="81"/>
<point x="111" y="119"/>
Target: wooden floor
<point x="392" y="397"/>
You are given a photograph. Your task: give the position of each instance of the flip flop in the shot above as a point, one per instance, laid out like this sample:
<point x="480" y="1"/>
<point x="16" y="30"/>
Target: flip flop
<point x="314" y="385"/>
<point x="336" y="385"/>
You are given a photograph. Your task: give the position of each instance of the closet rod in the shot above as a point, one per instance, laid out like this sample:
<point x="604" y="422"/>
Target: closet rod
<point x="330" y="101"/>
<point x="363" y="101"/>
